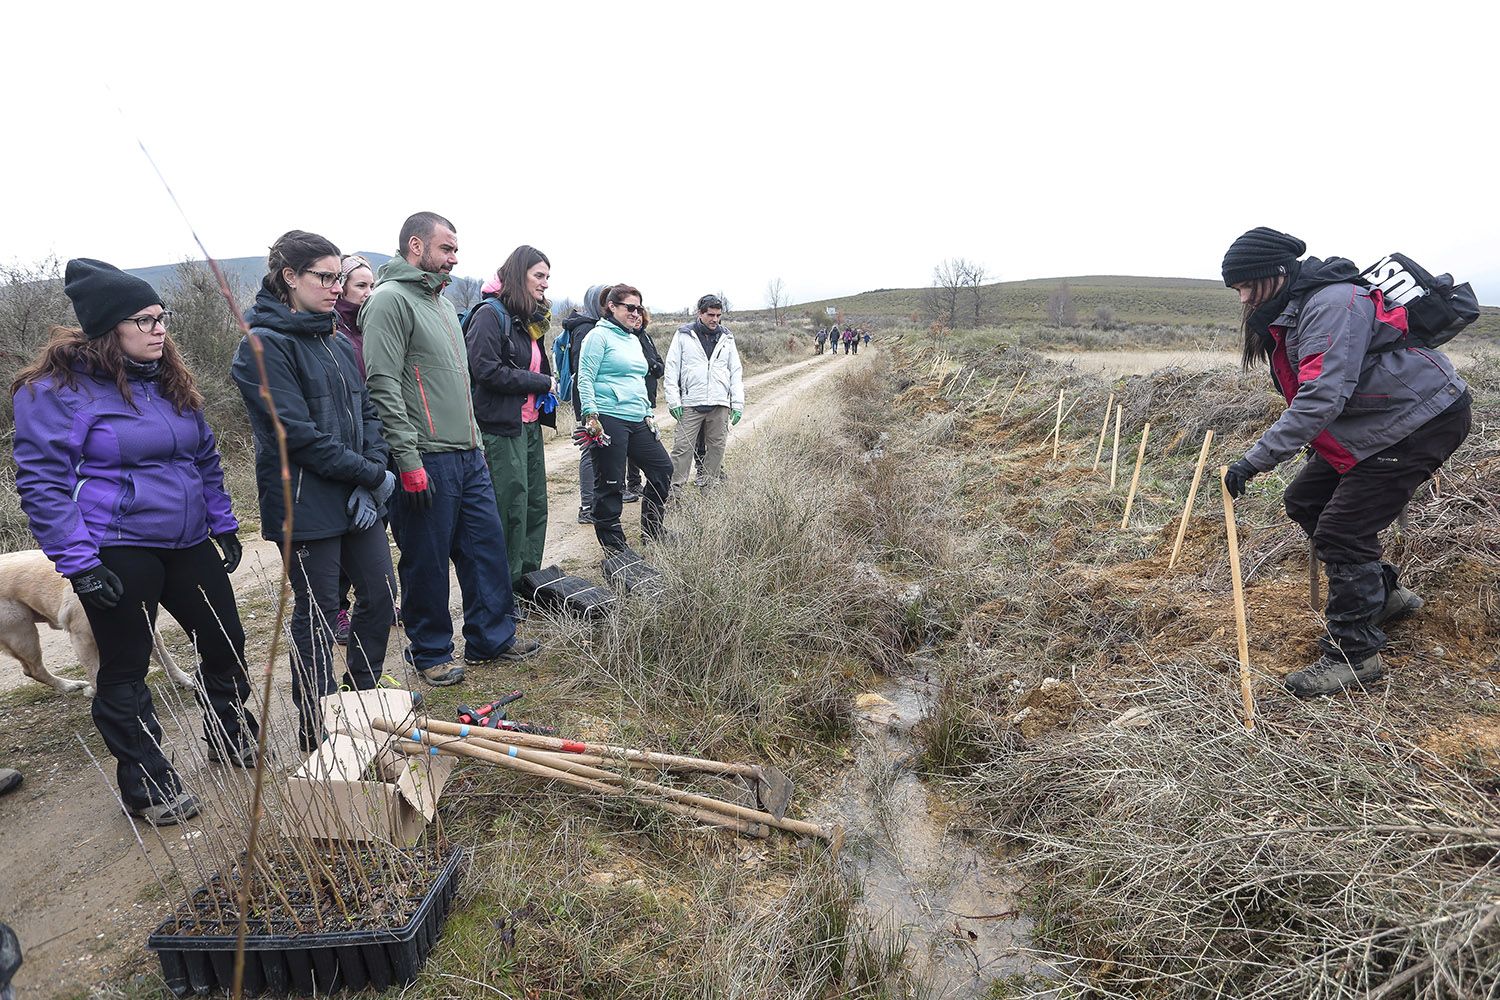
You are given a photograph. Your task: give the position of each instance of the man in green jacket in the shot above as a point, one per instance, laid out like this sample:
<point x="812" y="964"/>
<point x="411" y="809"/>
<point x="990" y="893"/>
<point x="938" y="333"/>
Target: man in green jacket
<point x="418" y="373"/>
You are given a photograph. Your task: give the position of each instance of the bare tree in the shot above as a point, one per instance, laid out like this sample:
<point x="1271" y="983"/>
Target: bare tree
<point x="463" y="292"/>
<point x="31" y="304"/>
<point x="776" y="299"/>
<point x="1060" y="308"/>
<point x="1104" y="318"/>
<point x="941" y="300"/>
<point x="974" y="274"/>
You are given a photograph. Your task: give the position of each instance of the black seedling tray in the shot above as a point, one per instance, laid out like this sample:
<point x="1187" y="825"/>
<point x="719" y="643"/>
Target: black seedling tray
<point x="552" y="588"/>
<point x="310" y="964"/>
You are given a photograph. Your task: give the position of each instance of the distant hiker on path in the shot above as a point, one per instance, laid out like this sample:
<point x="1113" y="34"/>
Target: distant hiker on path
<point x="445" y="509"/>
<point x="612" y="397"/>
<point x="822" y="339"/>
<point x="705" y="390"/>
<point x="119" y="475"/>
<point x="508" y="359"/>
<point x="848" y="339"/>
<point x="1381" y="414"/>
<point x="576" y="328"/>
<point x="338" y="465"/>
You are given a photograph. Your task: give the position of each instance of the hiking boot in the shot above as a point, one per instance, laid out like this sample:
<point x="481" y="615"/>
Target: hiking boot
<point x="585" y="515"/>
<point x="238" y="756"/>
<point x="442" y="674"/>
<point x="518" y="649"/>
<point x="10" y="780"/>
<point x="630" y="496"/>
<point x="341" y="628"/>
<point x="170" y="813"/>
<point x="1399" y="603"/>
<point x="1331" y="674"/>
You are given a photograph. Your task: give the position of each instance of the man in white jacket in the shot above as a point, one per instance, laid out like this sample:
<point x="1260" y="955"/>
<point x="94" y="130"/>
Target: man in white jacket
<point x="705" y="391"/>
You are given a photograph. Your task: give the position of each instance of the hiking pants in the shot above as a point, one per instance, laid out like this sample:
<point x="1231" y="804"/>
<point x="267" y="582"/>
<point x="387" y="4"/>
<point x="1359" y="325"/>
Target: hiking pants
<point x="628" y="441"/>
<point x="1344" y="514"/>
<point x="714" y="425"/>
<point x="462" y="526"/>
<point x="192" y="585"/>
<point x="315" y="573"/>
<point x="518" y="470"/>
<point x="586" y="479"/>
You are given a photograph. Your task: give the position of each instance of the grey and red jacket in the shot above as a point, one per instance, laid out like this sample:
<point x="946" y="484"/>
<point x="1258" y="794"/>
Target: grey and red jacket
<point x="1354" y="384"/>
<point x="96" y="471"/>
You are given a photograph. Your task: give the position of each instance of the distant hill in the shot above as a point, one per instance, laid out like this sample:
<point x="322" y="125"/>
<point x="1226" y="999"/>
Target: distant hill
<point x="248" y="270"/>
<point x="1130" y="299"/>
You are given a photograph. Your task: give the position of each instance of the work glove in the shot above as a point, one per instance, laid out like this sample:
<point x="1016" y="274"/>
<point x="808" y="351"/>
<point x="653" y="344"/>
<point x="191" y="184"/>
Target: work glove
<point x="229" y="544"/>
<point x="676" y="412"/>
<point x="361" y="507"/>
<point x="416" y="489"/>
<point x="387" y="486"/>
<point x="651" y="425"/>
<point x="734" y="416"/>
<point x="546" y="403"/>
<point x="98" y="588"/>
<point x="1238" y="477"/>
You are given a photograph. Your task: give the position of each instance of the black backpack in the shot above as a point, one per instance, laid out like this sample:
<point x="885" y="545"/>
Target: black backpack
<point x="1437" y="310"/>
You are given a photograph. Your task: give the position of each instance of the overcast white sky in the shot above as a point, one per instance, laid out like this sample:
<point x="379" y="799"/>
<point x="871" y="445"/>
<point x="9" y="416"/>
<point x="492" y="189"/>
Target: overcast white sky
<point x="685" y="147"/>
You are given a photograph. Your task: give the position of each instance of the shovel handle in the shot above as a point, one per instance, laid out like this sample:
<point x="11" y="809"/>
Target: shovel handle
<point x="667" y="761"/>
<point x="460" y="748"/>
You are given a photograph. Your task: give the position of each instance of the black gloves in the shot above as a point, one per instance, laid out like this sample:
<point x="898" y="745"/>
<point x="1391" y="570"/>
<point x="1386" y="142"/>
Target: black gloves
<point x="98" y="588"/>
<point x="1238" y="477"/>
<point x="229" y="544"/>
<point x="417" y="489"/>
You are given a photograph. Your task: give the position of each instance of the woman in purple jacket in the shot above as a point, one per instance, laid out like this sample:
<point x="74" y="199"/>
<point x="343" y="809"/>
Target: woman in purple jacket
<point x="120" y="477"/>
<point x="1379" y="412"/>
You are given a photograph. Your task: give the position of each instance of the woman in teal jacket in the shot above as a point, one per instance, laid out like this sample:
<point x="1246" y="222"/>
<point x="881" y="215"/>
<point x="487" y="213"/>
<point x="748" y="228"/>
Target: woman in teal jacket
<point x="612" y="398"/>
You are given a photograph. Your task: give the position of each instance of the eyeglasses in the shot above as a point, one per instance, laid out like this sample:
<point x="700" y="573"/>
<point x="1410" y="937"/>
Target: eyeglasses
<point x="631" y="308"/>
<point x="327" y="278"/>
<point x="148" y="323"/>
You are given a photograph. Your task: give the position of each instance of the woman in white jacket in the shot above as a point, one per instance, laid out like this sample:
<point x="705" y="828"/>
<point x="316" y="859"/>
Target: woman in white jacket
<point x="705" y="390"/>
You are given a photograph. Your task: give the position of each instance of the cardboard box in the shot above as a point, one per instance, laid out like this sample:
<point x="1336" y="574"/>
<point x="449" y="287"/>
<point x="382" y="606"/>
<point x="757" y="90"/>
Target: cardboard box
<point x="356" y="786"/>
<point x="350" y="712"/>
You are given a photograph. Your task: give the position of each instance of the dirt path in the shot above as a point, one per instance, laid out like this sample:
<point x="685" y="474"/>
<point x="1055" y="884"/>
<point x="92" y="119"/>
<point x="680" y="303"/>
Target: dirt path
<point x="73" y="883"/>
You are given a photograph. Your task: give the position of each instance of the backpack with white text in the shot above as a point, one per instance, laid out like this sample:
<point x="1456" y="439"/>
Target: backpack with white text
<point x="1437" y="309"/>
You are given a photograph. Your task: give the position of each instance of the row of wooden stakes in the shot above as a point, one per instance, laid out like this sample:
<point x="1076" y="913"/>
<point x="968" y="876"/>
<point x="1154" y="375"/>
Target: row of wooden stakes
<point x="1231" y="534"/>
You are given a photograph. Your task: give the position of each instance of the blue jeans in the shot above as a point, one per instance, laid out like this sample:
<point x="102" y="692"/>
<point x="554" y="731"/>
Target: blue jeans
<point x="463" y="526"/>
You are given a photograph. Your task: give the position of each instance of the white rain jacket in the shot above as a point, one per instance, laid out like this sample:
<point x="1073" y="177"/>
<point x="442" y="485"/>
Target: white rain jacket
<point x="692" y="379"/>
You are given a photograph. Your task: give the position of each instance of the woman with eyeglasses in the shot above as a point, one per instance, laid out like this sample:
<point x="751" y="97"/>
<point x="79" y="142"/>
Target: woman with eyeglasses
<point x="337" y="458"/>
<point x="119" y="474"/>
<point x="612" y="398"/>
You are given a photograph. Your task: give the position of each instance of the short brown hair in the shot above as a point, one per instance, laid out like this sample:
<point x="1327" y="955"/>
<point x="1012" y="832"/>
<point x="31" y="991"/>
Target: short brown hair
<point x="617" y="294"/>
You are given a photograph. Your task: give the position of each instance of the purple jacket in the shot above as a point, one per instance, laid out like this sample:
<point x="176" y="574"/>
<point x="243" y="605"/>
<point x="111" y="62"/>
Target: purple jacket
<point x="93" y="472"/>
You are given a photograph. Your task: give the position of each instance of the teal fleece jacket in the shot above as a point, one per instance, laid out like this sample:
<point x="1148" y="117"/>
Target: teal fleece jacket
<point x="612" y="374"/>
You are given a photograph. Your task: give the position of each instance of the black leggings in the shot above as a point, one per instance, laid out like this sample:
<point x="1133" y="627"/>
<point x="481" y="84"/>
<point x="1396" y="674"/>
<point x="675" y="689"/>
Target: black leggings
<point x="628" y="441"/>
<point x="193" y="587"/>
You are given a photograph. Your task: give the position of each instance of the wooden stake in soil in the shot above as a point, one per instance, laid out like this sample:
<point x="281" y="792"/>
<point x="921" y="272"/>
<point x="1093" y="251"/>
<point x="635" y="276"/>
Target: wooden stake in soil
<point x="1187" y="508"/>
<point x="1103" y="430"/>
<point x="1057" y="427"/>
<point x="1135" y="478"/>
<point x="1239" y="601"/>
<point x="1009" y="399"/>
<point x="1114" y="458"/>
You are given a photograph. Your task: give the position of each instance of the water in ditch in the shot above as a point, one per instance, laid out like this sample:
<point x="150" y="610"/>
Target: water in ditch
<point x="950" y="896"/>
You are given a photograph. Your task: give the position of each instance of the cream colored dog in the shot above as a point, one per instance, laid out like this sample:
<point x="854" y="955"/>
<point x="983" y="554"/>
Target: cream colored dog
<point x="31" y="593"/>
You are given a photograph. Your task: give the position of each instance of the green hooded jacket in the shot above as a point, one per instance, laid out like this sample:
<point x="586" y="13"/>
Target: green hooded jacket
<point x="416" y="365"/>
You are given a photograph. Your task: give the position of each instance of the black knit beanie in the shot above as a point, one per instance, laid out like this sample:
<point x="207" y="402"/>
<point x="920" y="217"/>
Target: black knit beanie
<point x="103" y="295"/>
<point x="1260" y="253"/>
